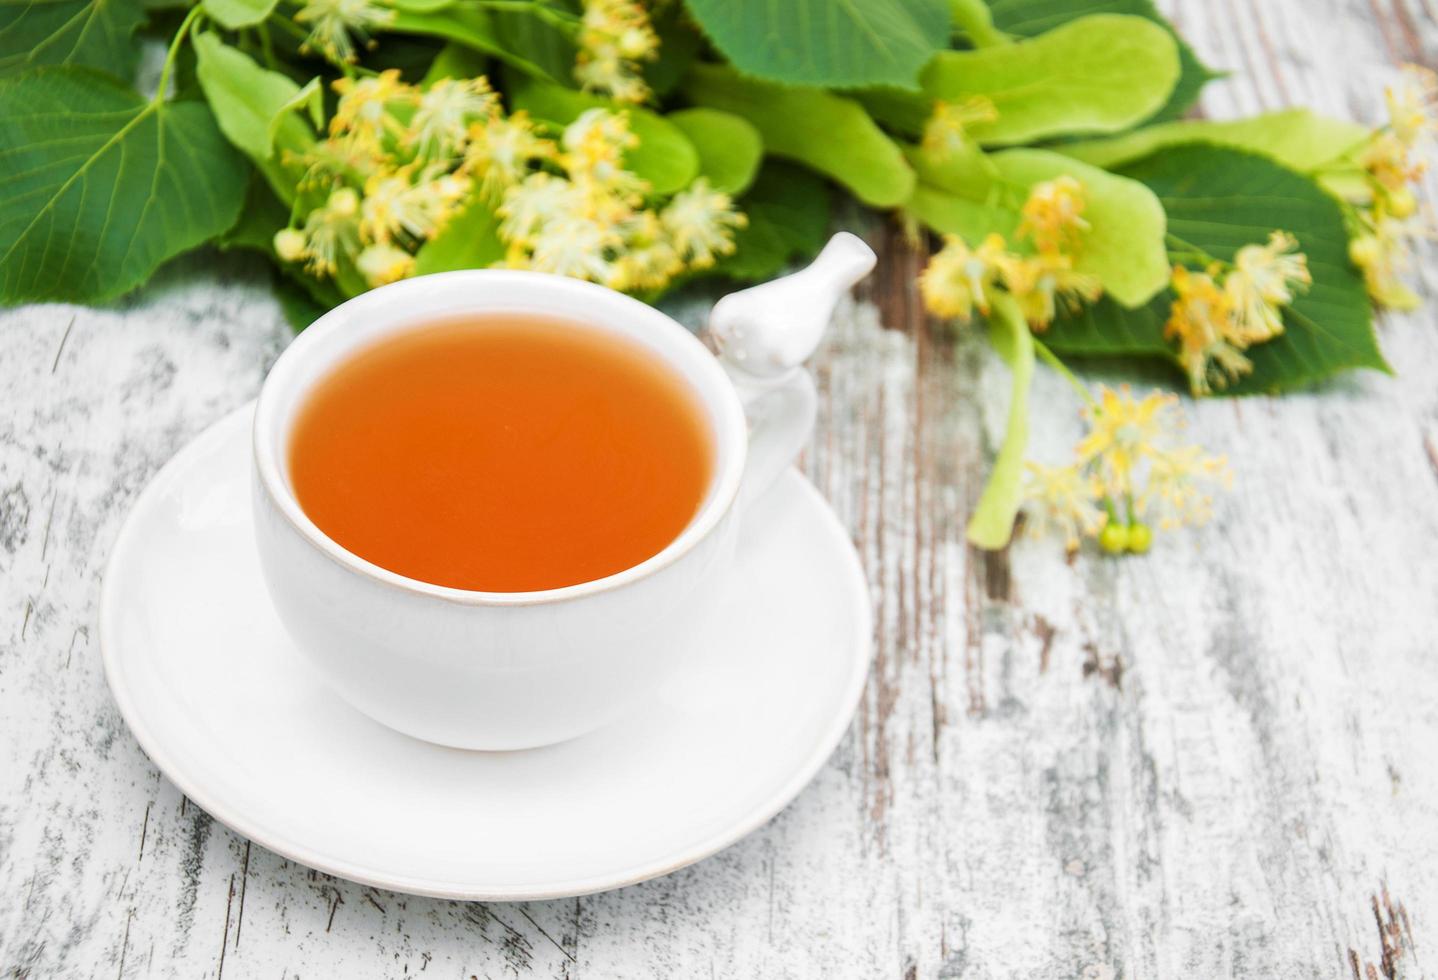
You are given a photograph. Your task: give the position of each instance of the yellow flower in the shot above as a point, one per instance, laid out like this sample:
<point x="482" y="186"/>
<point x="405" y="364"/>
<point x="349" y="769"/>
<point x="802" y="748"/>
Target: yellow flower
<point x="1201" y="319"/>
<point x="1387" y="160"/>
<point x="440" y="126"/>
<point x="333" y="21"/>
<point x="957" y="280"/>
<point x="1053" y="215"/>
<point x="529" y="206"/>
<point x="1178" y="483"/>
<point x="1262" y="280"/>
<point x="381" y="264"/>
<point x="1411" y="105"/>
<point x="1123" y="431"/>
<point x="594" y="146"/>
<point x="290" y="244"/>
<point x="700" y="223"/>
<point x="362" y="116"/>
<point x="614" y="36"/>
<point x="501" y="152"/>
<point x="575" y="246"/>
<point x="648" y="259"/>
<point x="946" y="130"/>
<point x="1040" y="282"/>
<point x="1383" y="254"/>
<point x="1063" y="499"/>
<point x="332" y="232"/>
<point x="393" y="207"/>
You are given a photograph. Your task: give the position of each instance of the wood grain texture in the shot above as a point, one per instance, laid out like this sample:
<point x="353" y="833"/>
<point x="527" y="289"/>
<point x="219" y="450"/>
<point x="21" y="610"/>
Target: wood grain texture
<point x="1216" y="760"/>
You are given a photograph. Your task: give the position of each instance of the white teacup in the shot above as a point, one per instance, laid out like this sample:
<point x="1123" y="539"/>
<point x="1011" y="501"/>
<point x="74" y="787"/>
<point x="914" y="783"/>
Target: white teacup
<point x="511" y="670"/>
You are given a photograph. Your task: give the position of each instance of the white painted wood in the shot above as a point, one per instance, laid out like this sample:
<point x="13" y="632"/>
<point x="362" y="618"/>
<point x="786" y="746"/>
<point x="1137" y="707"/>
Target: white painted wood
<point x="1208" y="762"/>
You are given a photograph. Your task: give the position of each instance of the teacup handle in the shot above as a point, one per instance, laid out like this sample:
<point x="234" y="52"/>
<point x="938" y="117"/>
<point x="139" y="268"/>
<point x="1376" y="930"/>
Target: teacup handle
<point x="764" y="335"/>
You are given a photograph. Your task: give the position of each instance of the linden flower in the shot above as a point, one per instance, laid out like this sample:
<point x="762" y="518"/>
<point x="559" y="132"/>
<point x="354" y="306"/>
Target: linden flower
<point x="1177" y="487"/>
<point x="334" y="21"/>
<point x="290" y="244"/>
<point x="648" y="259"/>
<point x="331" y="233"/>
<point x="440" y="126"/>
<point x="594" y="146"/>
<point x="1123" y="431"/>
<point x="700" y="223"/>
<point x="1412" y="103"/>
<point x="381" y="264"/>
<point x="1263" y="279"/>
<point x="393" y="207"/>
<point x="1201" y="319"/>
<point x="1063" y="499"/>
<point x="946" y="130"/>
<point x="957" y="280"/>
<point x="529" y="206"/>
<point x="361" y="116"/>
<point x="1383" y="254"/>
<point x="1053" y="214"/>
<point x="501" y="152"/>
<point x="1387" y="160"/>
<point x="614" y="36"/>
<point x="1039" y="283"/>
<point x="575" y="246"/>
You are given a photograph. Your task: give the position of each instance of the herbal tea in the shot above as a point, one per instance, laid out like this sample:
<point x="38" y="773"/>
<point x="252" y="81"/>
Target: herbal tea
<point x="502" y="454"/>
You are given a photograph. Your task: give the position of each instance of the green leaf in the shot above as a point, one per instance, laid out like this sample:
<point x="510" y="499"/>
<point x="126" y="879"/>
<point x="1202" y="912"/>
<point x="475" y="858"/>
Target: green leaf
<point x="825" y="132"/>
<point x="94" y="33"/>
<point x="1297" y="138"/>
<point x="255" y="109"/>
<point x="788" y="211"/>
<point x="102" y="186"/>
<point x="470" y="240"/>
<point x="679" y="44"/>
<point x="1124" y="245"/>
<point x="544" y="44"/>
<point x="421" y="6"/>
<point x="1220" y="199"/>
<point x="261" y="216"/>
<point x="466" y="22"/>
<point x="827" y="42"/>
<point x="1028" y="18"/>
<point x="235" y="14"/>
<point x="992" y="525"/>
<point x="1097" y="74"/>
<point x="729" y="147"/>
<point x="298" y="303"/>
<point x="454" y="61"/>
<point x="664" y="156"/>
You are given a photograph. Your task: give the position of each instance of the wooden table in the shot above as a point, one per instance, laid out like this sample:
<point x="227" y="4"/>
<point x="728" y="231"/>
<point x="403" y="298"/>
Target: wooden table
<point x="1220" y="759"/>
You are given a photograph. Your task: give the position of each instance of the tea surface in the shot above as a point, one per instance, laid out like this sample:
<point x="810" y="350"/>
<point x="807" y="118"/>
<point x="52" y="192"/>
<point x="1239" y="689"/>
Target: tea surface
<point x="502" y="454"/>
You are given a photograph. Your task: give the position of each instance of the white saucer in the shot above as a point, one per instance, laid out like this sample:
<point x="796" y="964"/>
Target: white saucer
<point x="219" y="699"/>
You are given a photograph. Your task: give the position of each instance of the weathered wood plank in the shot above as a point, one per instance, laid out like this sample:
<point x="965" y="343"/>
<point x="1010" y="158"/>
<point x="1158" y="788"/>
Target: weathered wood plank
<point x="1216" y="760"/>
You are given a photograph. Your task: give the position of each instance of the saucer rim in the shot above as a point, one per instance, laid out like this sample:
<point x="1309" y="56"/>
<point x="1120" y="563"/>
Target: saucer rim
<point x="860" y="657"/>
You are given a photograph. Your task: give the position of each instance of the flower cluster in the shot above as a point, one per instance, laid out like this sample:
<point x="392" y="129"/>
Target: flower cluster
<point x="1129" y="474"/>
<point x="1216" y="316"/>
<point x="399" y="162"/>
<point x="960" y="279"/>
<point x="1391" y="161"/>
<point x="615" y="36"/>
<point x="335" y="26"/>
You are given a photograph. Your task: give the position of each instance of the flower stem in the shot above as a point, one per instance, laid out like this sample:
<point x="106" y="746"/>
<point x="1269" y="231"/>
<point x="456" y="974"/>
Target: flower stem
<point x="174" y="52"/>
<point x="1052" y="360"/>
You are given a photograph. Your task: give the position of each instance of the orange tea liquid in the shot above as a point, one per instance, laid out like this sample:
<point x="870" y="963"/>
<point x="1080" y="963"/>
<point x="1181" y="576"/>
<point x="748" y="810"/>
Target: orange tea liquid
<point x="502" y="454"/>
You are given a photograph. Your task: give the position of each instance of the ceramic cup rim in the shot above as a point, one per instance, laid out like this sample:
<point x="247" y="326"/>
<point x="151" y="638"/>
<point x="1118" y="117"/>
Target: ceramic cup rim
<point x="389" y="310"/>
